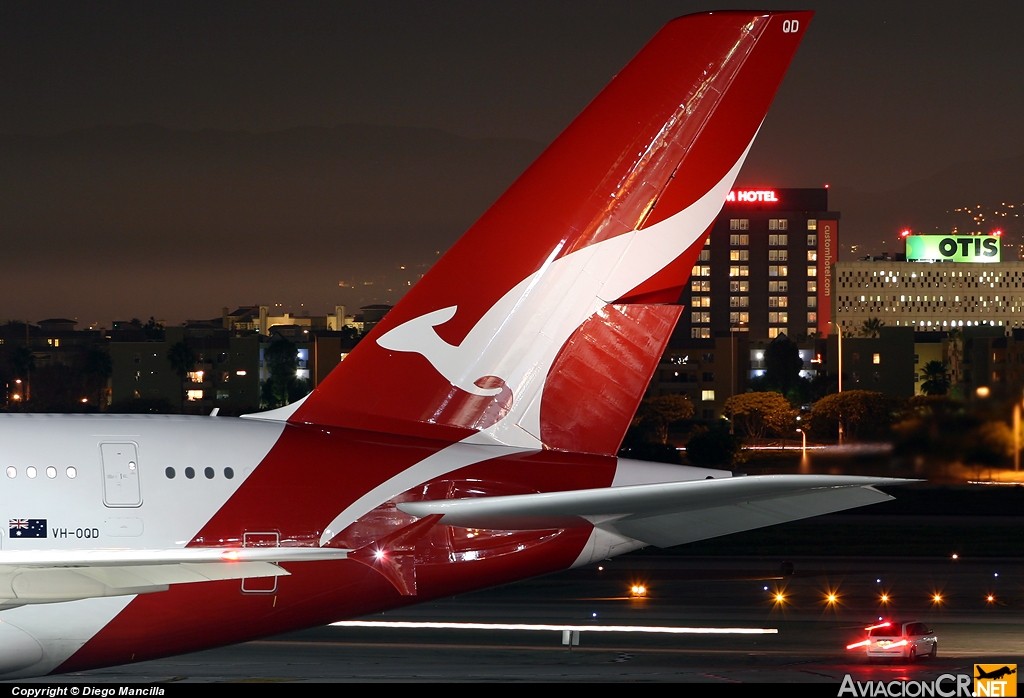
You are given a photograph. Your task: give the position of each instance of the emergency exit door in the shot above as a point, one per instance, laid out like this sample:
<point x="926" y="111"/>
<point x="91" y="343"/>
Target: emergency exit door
<point x="121" y="475"/>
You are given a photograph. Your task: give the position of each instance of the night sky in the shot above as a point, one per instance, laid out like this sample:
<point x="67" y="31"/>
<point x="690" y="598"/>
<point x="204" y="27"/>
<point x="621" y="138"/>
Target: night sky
<point x="170" y="159"/>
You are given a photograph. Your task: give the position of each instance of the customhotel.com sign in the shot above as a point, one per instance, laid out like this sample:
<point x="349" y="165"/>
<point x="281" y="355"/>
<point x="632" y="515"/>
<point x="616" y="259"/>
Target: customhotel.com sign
<point x="953" y="248"/>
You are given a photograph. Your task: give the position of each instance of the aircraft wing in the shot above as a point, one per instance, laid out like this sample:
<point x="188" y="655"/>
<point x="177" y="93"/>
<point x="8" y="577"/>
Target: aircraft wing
<point x="666" y="514"/>
<point x="47" y="576"/>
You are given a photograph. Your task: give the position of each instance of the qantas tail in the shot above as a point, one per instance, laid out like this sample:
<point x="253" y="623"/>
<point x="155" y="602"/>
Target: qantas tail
<point x="542" y="326"/>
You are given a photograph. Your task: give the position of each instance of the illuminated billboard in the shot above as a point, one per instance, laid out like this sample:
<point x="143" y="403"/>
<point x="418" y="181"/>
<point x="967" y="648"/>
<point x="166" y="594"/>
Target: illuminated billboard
<point x="953" y="248"/>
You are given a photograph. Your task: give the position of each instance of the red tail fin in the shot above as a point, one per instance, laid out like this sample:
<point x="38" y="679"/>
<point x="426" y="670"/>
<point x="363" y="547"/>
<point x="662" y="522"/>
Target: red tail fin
<point x="517" y="334"/>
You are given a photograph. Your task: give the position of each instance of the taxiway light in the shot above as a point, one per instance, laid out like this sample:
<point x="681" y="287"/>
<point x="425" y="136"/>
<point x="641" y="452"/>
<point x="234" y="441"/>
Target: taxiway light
<point x="638" y="590"/>
<point x="832" y="598"/>
<point x="990" y="598"/>
<point x="884" y="598"/>
<point x="779" y="598"/>
<point x="937" y="598"/>
<point x="955" y="556"/>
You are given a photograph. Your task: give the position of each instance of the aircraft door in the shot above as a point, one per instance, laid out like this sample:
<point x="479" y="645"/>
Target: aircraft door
<point x="121" y="475"/>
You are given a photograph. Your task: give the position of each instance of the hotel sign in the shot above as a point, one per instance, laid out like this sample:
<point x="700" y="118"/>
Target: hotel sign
<point x="827" y="242"/>
<point x="977" y="249"/>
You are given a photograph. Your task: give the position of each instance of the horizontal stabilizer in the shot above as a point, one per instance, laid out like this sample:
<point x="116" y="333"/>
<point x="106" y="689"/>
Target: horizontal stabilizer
<point x="48" y="576"/>
<point x="669" y="513"/>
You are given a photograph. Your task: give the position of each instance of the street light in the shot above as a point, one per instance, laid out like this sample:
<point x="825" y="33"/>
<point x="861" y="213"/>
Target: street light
<point x="732" y="373"/>
<point x="839" y="331"/>
<point x="804" y="446"/>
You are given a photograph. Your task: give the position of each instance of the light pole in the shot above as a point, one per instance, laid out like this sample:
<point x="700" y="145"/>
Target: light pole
<point x="732" y="373"/>
<point x="1016" y="436"/>
<point x="839" y="331"/>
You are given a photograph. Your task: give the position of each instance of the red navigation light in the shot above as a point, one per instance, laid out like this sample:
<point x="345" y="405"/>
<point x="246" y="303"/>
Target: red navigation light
<point x="230" y="555"/>
<point x="904" y="233"/>
<point x="997" y="233"/>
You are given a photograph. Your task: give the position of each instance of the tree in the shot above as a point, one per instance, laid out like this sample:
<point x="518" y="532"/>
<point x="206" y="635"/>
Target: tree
<point x="871" y="328"/>
<point x="862" y="413"/>
<point x="281" y="358"/>
<point x="97" y="368"/>
<point x="659" y="412"/>
<point x="935" y="378"/>
<point x="182" y="360"/>
<point x="782" y="364"/>
<point x="758" y="413"/>
<point x="713" y="446"/>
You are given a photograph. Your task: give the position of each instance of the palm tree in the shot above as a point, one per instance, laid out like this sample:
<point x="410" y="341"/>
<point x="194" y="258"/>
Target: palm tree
<point x="935" y="378"/>
<point x="871" y="327"/>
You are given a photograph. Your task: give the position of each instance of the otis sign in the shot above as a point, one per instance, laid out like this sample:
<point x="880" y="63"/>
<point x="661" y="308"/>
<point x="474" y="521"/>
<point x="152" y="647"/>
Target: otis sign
<point x="953" y="248"/>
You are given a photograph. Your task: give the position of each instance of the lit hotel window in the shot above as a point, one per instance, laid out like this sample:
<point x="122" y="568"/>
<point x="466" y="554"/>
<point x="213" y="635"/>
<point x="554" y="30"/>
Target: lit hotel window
<point x="194" y="395"/>
<point x="778" y="270"/>
<point x="812" y="240"/>
<point x="812" y="255"/>
<point x="705" y="256"/>
<point x="812" y="318"/>
<point x="700" y="333"/>
<point x="707" y="395"/>
<point x="812" y="271"/>
<point x="812" y="286"/>
<point x="739" y="224"/>
<point x="778" y="224"/>
<point x="739" y="286"/>
<point x="739" y="271"/>
<point x="812" y="224"/>
<point x="702" y="301"/>
<point x="876" y="358"/>
<point x="739" y="240"/>
<point x="778" y="255"/>
<point x="739" y="255"/>
<point x="778" y="286"/>
<point x="739" y="301"/>
<point x="778" y="240"/>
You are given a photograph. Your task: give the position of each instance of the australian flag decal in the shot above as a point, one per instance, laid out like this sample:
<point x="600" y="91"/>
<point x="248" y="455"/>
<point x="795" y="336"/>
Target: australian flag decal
<point x="28" y="528"/>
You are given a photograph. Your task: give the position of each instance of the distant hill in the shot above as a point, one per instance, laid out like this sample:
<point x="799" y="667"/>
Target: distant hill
<point x="928" y="206"/>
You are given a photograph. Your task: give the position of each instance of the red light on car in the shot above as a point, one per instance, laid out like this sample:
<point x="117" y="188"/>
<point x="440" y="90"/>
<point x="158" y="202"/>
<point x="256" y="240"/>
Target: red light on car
<point x="862" y="643"/>
<point x="886" y="624"/>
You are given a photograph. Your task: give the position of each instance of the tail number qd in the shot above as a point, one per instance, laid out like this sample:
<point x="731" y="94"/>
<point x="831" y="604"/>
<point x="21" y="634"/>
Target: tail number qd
<point x="790" y="26"/>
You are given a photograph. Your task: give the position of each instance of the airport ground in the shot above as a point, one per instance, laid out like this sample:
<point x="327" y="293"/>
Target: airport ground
<point x="903" y="549"/>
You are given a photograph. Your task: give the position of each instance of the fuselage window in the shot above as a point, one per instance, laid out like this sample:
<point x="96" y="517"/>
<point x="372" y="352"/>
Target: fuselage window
<point x="190" y="473"/>
<point x="51" y="472"/>
<point x="208" y="472"/>
<point x="30" y="471"/>
<point x="72" y="472"/>
<point x="229" y="473"/>
<point x="12" y="472"/>
<point x="169" y="472"/>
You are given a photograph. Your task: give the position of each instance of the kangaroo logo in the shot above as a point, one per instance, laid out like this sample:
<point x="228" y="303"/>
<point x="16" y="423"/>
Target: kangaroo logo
<point x="418" y="336"/>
